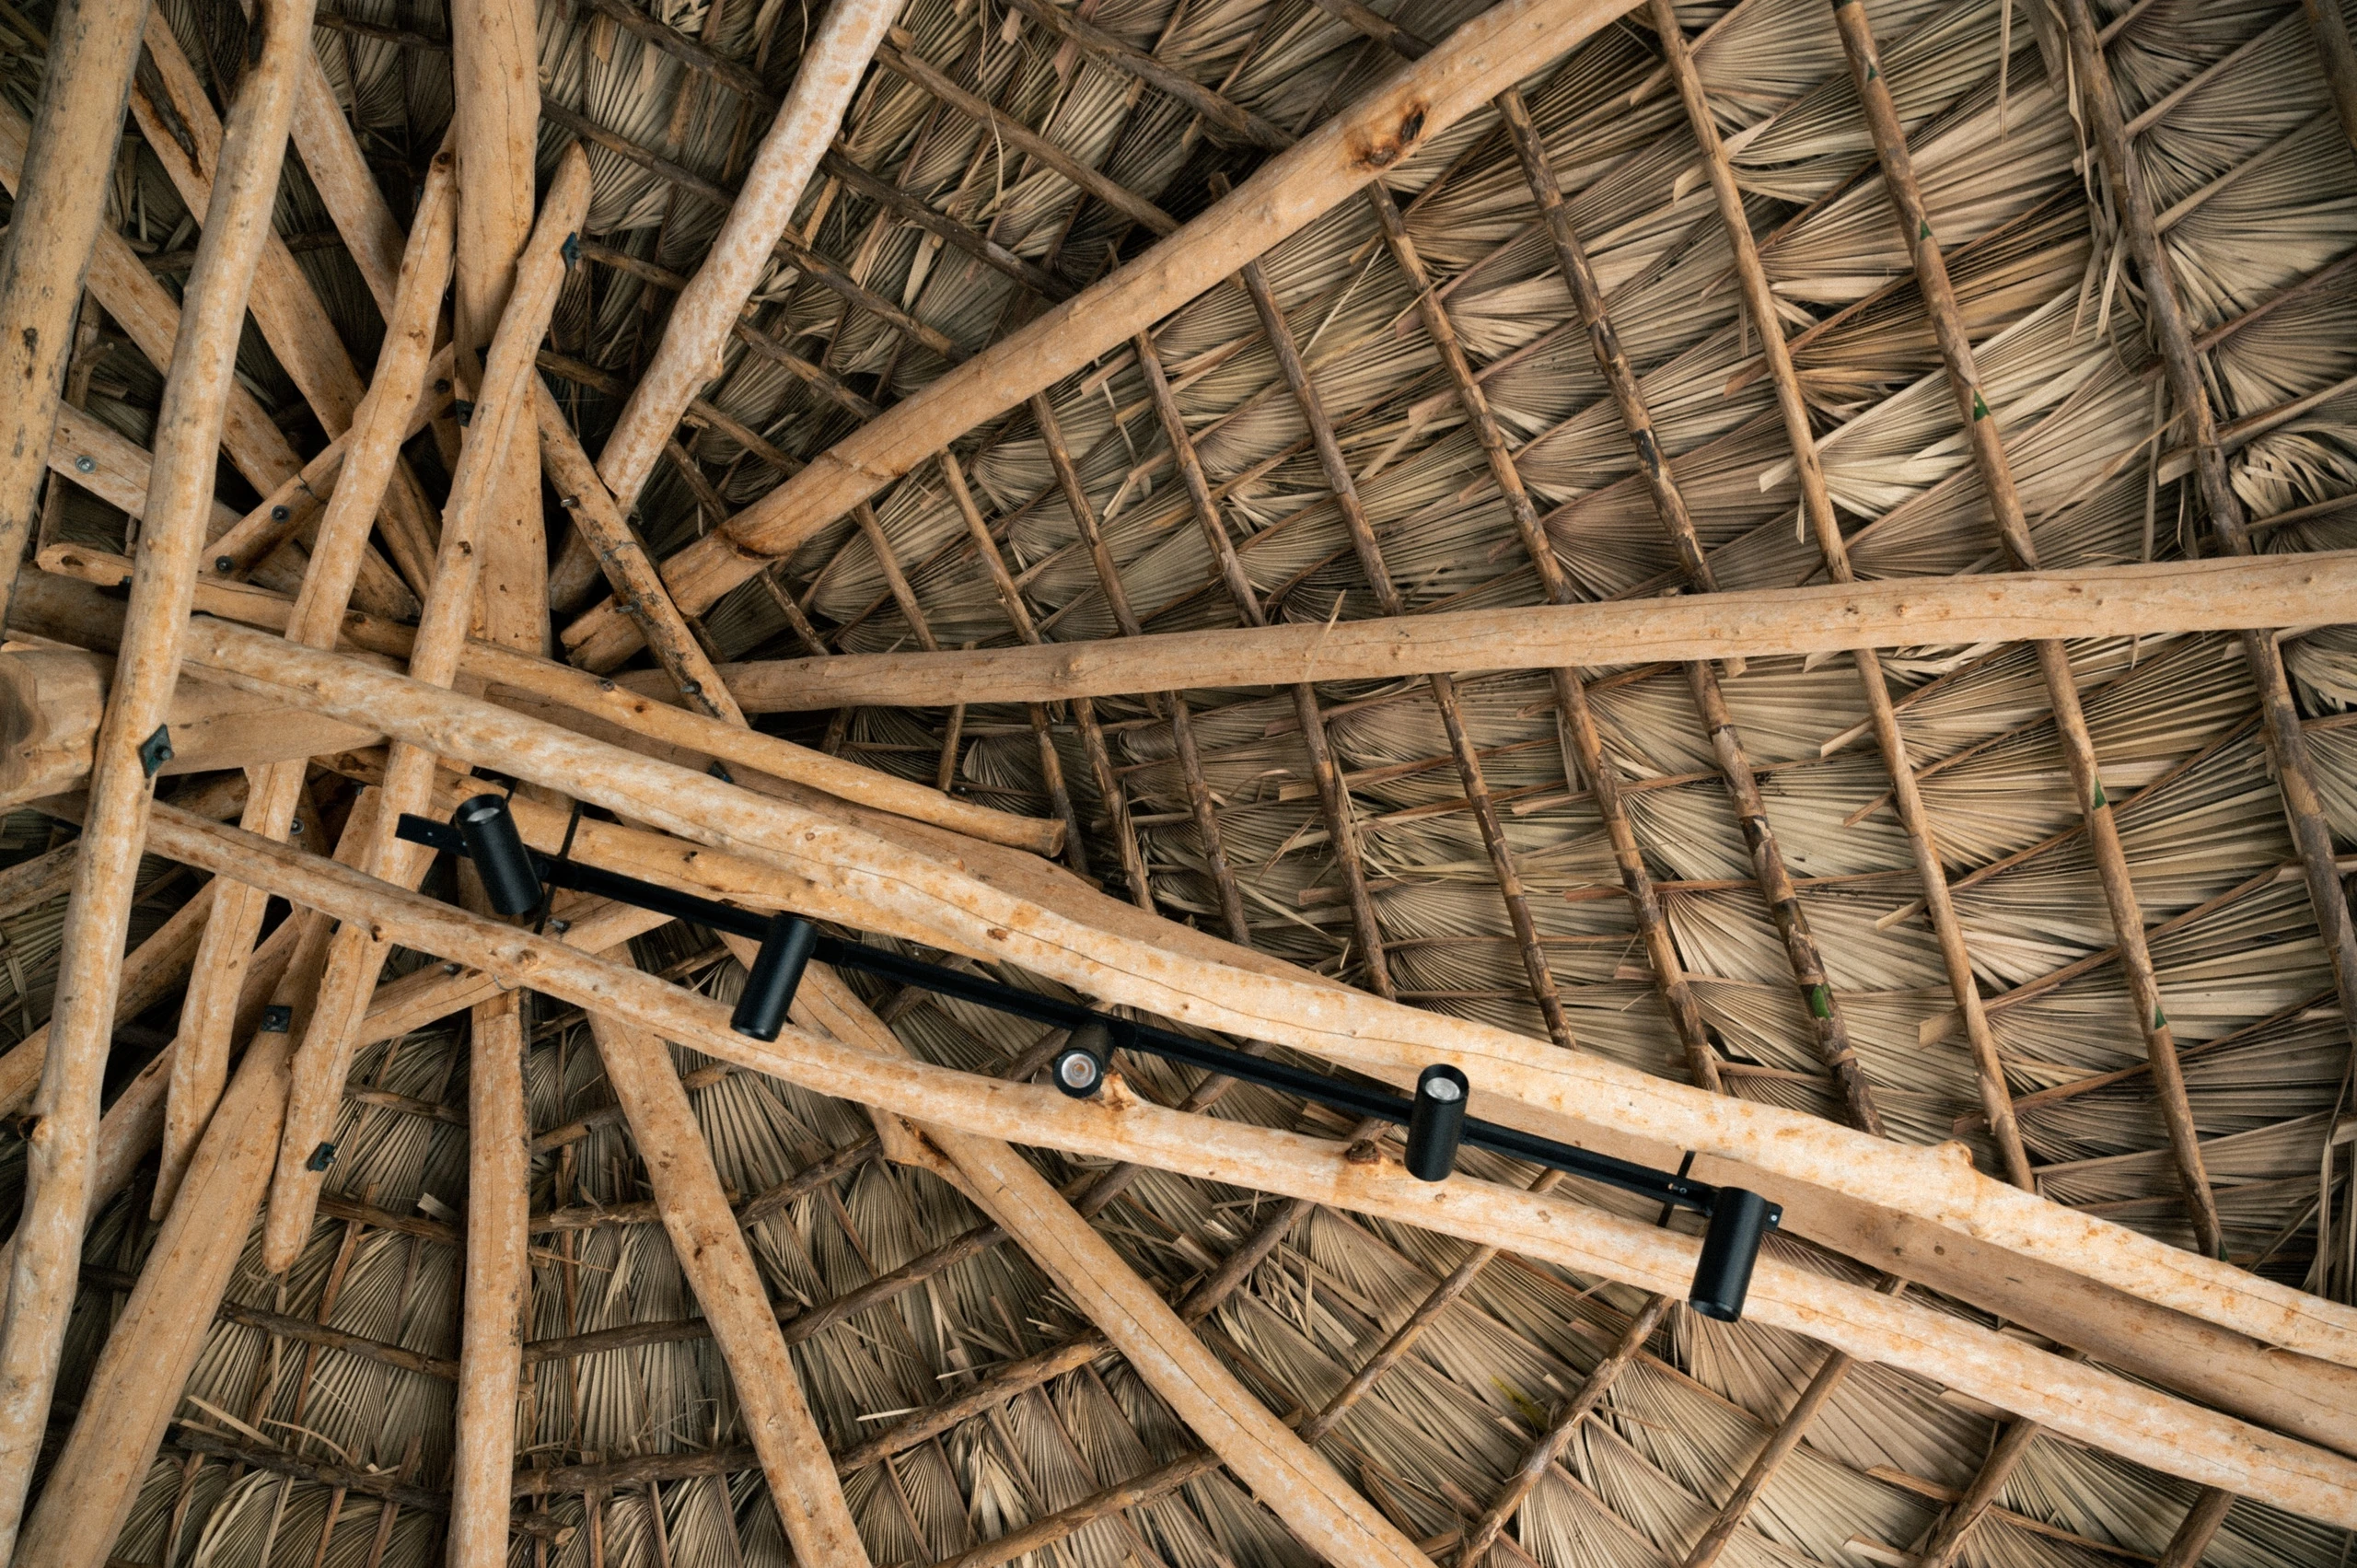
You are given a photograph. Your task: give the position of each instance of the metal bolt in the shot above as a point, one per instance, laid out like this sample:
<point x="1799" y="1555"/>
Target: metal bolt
<point x="85" y="465"/>
<point x="224" y="564"/>
<point x="279" y="514"/>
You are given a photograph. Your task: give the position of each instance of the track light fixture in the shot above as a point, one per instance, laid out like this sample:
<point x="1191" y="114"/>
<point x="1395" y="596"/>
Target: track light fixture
<point x="1435" y="1116"/>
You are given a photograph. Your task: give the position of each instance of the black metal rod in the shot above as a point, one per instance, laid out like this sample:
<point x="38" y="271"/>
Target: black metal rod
<point x="1358" y="1101"/>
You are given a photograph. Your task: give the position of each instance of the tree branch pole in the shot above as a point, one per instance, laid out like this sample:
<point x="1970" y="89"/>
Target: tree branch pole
<point x="153" y="1344"/>
<point x="94" y="45"/>
<point x="502" y="414"/>
<point x="200" y="1065"/>
<point x="60" y="1151"/>
<point x="2216" y="594"/>
<point x="719" y="1266"/>
<point x="1501" y="45"/>
<point x="707" y="310"/>
<point x="859" y="877"/>
<point x="2075" y="1398"/>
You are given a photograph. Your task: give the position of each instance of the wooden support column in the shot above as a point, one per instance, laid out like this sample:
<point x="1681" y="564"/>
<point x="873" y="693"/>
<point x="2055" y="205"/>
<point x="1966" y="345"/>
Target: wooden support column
<point x="2337" y="58"/>
<point x="494" y="68"/>
<point x="2054" y="661"/>
<point x="1333" y="796"/>
<point x="1498" y="46"/>
<point x="2286" y="749"/>
<point x="1816" y="505"/>
<point x="1819" y="1006"/>
<point x="2200" y="1527"/>
<point x="2075" y="1398"/>
<point x="60" y="1157"/>
<point x="498" y="1278"/>
<point x="1132" y="960"/>
<point x="1340" y="479"/>
<point x="720" y="1268"/>
<point x="502" y="412"/>
<point x="201" y="1063"/>
<point x="1947" y="1537"/>
<point x="74" y="138"/>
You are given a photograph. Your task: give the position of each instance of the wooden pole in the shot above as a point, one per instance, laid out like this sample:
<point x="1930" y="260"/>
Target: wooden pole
<point x="502" y="412"/>
<point x="60" y="1154"/>
<point x="832" y="63"/>
<point x="1502" y="45"/>
<point x="861" y="878"/>
<point x="1995" y="473"/>
<point x="720" y="1268"/>
<point x="380" y="423"/>
<point x="498" y="1283"/>
<point x="155" y="1343"/>
<point x="72" y="141"/>
<point x="495" y="79"/>
<point x="1288" y="1476"/>
<point x="2217" y="594"/>
<point x="2075" y="1400"/>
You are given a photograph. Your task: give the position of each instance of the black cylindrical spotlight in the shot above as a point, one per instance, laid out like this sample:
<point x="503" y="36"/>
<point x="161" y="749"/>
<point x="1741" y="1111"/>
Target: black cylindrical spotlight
<point x="777" y="971"/>
<point x="1731" y="1245"/>
<point x="1436" y="1122"/>
<point x="497" y="848"/>
<point x="1080" y="1066"/>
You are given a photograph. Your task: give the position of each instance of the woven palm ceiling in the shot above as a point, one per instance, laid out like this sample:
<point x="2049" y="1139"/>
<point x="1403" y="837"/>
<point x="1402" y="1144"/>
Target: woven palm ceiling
<point x="1479" y="876"/>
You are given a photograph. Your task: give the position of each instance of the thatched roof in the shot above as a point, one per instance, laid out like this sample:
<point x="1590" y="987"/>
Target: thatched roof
<point x="1444" y="838"/>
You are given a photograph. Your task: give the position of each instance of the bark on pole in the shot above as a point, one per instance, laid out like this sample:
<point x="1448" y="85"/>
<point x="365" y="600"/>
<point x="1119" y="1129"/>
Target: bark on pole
<point x="1289" y="1477"/>
<point x="201" y="1065"/>
<point x="2216" y="594"/>
<point x="501" y="424"/>
<point x="76" y="127"/>
<point x="2075" y="1400"/>
<point x="707" y="309"/>
<point x="498" y="1279"/>
<point x="719" y="1266"/>
<point x="1496" y="49"/>
<point x="861" y="878"/>
<point x="188" y="435"/>
<point x="494" y="68"/>
<point x="155" y="1343"/>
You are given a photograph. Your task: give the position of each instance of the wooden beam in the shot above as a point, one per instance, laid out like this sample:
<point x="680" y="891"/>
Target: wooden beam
<point x="2075" y="1398"/>
<point x="1502" y="44"/>
<point x="859" y="877"/>
<point x="2178" y="595"/>
<point x="147" y="314"/>
<point x="502" y="413"/>
<point x="719" y="1266"/>
<point x="498" y="1282"/>
<point x="94" y="45"/>
<point x="1288" y="1477"/>
<point x="833" y="61"/>
<point x="378" y="426"/>
<point x="495" y="130"/>
<point x="55" y="608"/>
<point x="61" y="1159"/>
<point x="153" y="1344"/>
